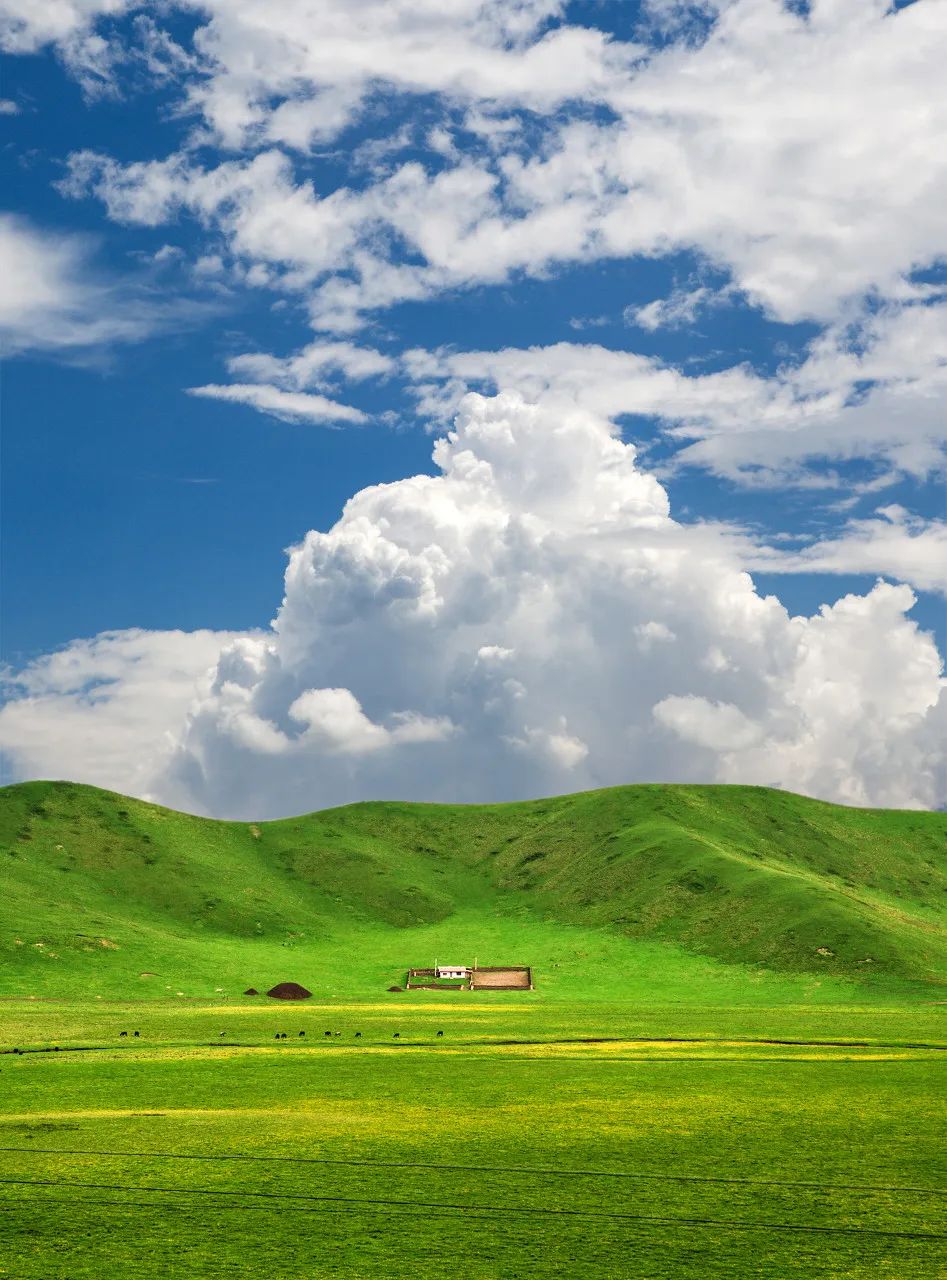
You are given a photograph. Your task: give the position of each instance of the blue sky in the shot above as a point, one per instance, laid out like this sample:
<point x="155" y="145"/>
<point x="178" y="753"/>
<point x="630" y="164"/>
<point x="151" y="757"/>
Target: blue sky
<point x="238" y="298"/>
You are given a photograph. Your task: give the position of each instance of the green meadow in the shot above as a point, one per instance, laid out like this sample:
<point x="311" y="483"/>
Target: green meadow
<point x="732" y="1064"/>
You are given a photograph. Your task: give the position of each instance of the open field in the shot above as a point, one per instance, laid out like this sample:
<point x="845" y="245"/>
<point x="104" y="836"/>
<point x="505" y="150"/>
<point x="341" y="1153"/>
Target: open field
<point x="529" y="1141"/>
<point x="731" y="1065"/>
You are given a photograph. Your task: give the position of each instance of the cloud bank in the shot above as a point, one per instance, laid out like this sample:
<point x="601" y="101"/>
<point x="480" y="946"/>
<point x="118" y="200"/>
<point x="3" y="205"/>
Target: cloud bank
<point x="800" y="152"/>
<point x="529" y="620"/>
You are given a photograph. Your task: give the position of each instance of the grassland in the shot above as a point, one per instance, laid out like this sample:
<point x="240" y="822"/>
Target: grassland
<point x="99" y="889"/>
<point x="528" y="1141"/>
<point x="732" y="1065"/>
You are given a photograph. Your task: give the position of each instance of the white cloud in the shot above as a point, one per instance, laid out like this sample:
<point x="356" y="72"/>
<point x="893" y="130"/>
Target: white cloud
<point x="893" y="543"/>
<point x="26" y="26"/>
<point x="537" y="601"/>
<point x="289" y="406"/>
<point x="801" y="155"/>
<point x="601" y="381"/>
<point x="736" y="423"/>
<point x="530" y="620"/>
<point x="562" y="750"/>
<point x="718" y="726"/>
<point x="335" y="719"/>
<point x="313" y="64"/>
<point x="300" y="72"/>
<point x="774" y="147"/>
<point x="107" y="711"/>
<point x="681" y="308"/>
<point x="314" y="365"/>
<point x="861" y="687"/>
<point x="8" y="107"/>
<point x="818" y="411"/>
<point x="280" y="385"/>
<point x="649" y="634"/>
<point x="53" y="300"/>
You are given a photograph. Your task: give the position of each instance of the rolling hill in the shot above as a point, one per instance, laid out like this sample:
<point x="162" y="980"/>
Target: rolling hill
<point x="100" y="892"/>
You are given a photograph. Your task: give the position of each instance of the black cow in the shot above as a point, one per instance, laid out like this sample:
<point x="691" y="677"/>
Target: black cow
<point x="302" y="1033"/>
<point x="397" y="1035"/>
<point x="122" y="1033"/>
<point x="440" y="1033"/>
<point x="328" y="1033"/>
<point x="137" y="1034"/>
<point x="358" y="1035"/>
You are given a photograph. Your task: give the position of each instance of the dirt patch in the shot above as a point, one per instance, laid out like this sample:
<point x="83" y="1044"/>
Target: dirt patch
<point x="396" y="988"/>
<point x="512" y="979"/>
<point x="40" y="1126"/>
<point x="288" y="991"/>
<point x="251" y="991"/>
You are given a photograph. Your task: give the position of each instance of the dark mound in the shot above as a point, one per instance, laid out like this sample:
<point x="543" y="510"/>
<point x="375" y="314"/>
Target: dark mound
<point x="289" y="991"/>
<point x="396" y="988"/>
<point x="251" y="991"/>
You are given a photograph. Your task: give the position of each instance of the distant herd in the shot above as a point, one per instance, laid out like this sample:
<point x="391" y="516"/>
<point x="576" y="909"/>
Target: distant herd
<point x="282" y="1035"/>
<point x="279" y="1035"/>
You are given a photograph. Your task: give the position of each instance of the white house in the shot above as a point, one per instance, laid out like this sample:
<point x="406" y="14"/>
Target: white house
<point x="452" y="971"/>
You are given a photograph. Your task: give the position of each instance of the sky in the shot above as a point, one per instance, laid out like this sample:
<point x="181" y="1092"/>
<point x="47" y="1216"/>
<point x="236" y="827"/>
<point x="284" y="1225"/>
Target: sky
<point x="473" y="402"/>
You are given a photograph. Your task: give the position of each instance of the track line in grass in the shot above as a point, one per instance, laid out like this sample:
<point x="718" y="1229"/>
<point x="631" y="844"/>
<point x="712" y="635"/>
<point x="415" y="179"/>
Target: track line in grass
<point x="541" y="1171"/>
<point x="454" y="1045"/>
<point x="513" y="1211"/>
<point x="513" y="1228"/>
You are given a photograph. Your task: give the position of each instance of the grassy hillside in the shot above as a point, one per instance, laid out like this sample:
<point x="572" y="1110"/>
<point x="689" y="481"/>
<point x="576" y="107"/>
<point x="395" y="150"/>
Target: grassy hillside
<point x="650" y="884"/>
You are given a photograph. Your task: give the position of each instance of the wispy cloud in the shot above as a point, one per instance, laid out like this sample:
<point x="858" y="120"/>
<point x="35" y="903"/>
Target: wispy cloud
<point x="55" y="300"/>
<point x="289" y="406"/>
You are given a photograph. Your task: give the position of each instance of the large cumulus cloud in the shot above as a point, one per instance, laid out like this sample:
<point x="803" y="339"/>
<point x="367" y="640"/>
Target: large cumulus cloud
<point x="533" y="620"/>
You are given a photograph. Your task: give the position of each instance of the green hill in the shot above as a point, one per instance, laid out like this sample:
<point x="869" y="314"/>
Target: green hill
<point x="104" y="894"/>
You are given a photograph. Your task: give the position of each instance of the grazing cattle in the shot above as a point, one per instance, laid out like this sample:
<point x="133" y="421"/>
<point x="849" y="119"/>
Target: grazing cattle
<point x="328" y="1033"/>
<point x="397" y="1035"/>
<point x="137" y="1034"/>
<point x="223" y="1033"/>
<point x="358" y="1035"/>
<point x="440" y="1033"/>
<point x="338" y="1033"/>
<point x="122" y="1033"/>
<point x="276" y="1037"/>
<point x="302" y="1033"/>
